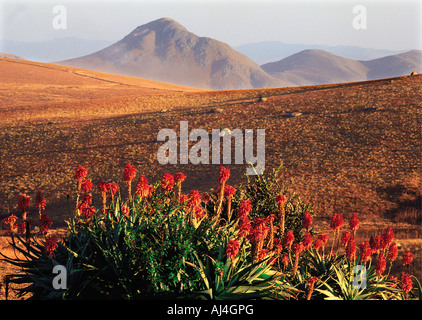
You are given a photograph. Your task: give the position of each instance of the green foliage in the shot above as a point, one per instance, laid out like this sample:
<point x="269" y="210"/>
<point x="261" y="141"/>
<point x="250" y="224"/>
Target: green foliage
<point x="159" y="246"/>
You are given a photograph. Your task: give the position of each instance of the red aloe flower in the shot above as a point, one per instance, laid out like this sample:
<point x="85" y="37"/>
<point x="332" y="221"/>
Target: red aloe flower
<point x="23" y="202"/>
<point x="285" y="260"/>
<point x="45" y="223"/>
<point x="224" y="175"/>
<point x="88" y="213"/>
<point x="288" y="239"/>
<point x="194" y="199"/>
<point x="178" y="176"/>
<point x="143" y="189"/>
<point x="345" y="238"/>
<point x="205" y="197"/>
<point x="129" y="173"/>
<point x="232" y="249"/>
<point x="167" y="182"/>
<point x="307" y="220"/>
<point x="336" y="222"/>
<point x="113" y="188"/>
<point x="229" y="191"/>
<point x="407" y="258"/>
<point x="51" y="244"/>
<point x="381" y="264"/>
<point x="80" y="173"/>
<point x="354" y="223"/>
<point x="11" y="220"/>
<point x="321" y="240"/>
<point x="365" y="251"/>
<point x="376" y="244"/>
<point x="351" y="250"/>
<point x="406" y="282"/>
<point x="307" y="241"/>
<point x="387" y="237"/>
<point x="86" y="185"/>
<point x="392" y="252"/>
<point x="281" y="199"/>
<point x="244" y="227"/>
<point x="245" y="208"/>
<point x="40" y="201"/>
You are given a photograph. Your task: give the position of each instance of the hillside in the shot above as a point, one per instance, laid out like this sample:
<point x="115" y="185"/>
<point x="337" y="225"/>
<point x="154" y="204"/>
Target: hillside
<point x="353" y="147"/>
<point x="310" y="67"/>
<point x="164" y="50"/>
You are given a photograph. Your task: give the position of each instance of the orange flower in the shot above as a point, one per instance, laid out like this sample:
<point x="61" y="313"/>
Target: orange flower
<point x="40" y="201"/>
<point x="232" y="249"/>
<point x="381" y="264"/>
<point x="407" y="258"/>
<point x="51" y="245"/>
<point x="224" y="175"/>
<point x="354" y="222"/>
<point x="336" y="222"/>
<point x="307" y="220"/>
<point x="129" y="173"/>
<point x="392" y="252"/>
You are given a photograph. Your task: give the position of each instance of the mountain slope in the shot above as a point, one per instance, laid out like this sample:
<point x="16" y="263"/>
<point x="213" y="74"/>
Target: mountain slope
<point x="164" y="50"/>
<point x="311" y="67"/>
<point x="270" y="51"/>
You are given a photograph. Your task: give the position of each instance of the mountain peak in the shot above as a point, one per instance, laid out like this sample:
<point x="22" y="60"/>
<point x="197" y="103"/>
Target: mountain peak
<point x="162" y="24"/>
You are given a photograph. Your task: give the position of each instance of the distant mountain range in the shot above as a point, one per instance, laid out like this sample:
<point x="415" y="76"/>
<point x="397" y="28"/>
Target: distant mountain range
<point x="310" y="67"/>
<point x="270" y="51"/>
<point x="53" y="50"/>
<point x="164" y="50"/>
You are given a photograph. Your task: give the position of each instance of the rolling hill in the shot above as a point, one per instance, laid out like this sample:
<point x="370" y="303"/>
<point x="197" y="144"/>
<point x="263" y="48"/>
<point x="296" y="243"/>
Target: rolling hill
<point x="164" y="50"/>
<point x="311" y="67"/>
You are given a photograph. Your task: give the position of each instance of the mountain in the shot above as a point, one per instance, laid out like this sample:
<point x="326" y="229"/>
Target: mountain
<point x="311" y="67"/>
<point x="10" y="56"/>
<point x="269" y="51"/>
<point x="53" y="50"/>
<point x="164" y="50"/>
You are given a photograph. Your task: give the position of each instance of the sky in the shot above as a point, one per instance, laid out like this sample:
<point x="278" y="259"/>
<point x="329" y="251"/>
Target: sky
<point x="381" y="24"/>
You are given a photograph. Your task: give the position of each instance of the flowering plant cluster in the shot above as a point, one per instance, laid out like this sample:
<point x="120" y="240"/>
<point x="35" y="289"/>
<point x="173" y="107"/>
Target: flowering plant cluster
<point x="253" y="241"/>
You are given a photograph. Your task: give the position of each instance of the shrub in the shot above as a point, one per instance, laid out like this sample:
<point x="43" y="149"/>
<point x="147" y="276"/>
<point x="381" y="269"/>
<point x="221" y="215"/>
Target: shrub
<point x="255" y="241"/>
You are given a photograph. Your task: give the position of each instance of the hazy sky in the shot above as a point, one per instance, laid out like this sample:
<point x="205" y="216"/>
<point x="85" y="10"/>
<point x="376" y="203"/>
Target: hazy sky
<point x="394" y="25"/>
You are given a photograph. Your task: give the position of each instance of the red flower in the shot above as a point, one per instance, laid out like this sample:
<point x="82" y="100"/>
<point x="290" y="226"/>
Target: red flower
<point x="354" y="222"/>
<point x="45" y="223"/>
<point x="232" y="249"/>
<point x="205" y="197"/>
<point x="103" y="187"/>
<point x="143" y="189"/>
<point x="11" y="220"/>
<point x="129" y="173"/>
<point x="51" y="244"/>
<point x="229" y="191"/>
<point x="194" y="199"/>
<point x="351" y="250"/>
<point x="80" y="173"/>
<point x="307" y="220"/>
<point x="407" y="258"/>
<point x="262" y="254"/>
<point x="278" y="246"/>
<point x="167" y="182"/>
<point x="307" y="241"/>
<point x="281" y="199"/>
<point x="224" y="175"/>
<point x="86" y="185"/>
<point x="285" y="259"/>
<point x="113" y="188"/>
<point x="245" y="208"/>
<point x="387" y="237"/>
<point x="381" y="264"/>
<point x="393" y="280"/>
<point x="365" y="251"/>
<point x="406" y="282"/>
<point x="376" y="244"/>
<point x="178" y="176"/>
<point x="321" y="240"/>
<point x="40" y="201"/>
<point x="288" y="238"/>
<point x="244" y="227"/>
<point x="88" y="213"/>
<point x="336" y="222"/>
<point x="345" y="238"/>
<point x="392" y="252"/>
<point x="183" y="198"/>
<point x="198" y="212"/>
<point x="297" y="248"/>
<point x="125" y="210"/>
<point x="23" y="202"/>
